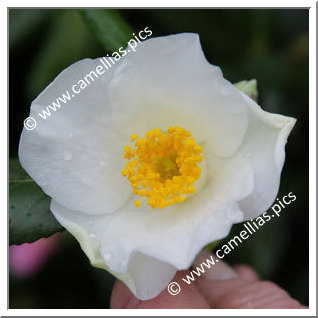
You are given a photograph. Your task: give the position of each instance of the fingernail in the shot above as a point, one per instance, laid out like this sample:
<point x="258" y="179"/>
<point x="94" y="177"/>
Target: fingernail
<point x="219" y="271"/>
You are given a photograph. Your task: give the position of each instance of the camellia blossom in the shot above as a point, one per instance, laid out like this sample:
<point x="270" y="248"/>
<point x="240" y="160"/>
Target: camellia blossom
<point x="157" y="158"/>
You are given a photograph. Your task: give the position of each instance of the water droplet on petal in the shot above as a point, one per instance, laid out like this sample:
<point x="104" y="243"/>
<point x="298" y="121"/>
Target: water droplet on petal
<point x="92" y="235"/>
<point x="248" y="154"/>
<point x="102" y="163"/>
<point x="142" y="293"/>
<point x="41" y="181"/>
<point x="107" y="256"/>
<point x="67" y="156"/>
<point x="71" y="135"/>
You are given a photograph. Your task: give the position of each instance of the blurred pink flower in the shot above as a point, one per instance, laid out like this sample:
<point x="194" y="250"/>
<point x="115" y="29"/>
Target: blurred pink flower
<point x="27" y="259"/>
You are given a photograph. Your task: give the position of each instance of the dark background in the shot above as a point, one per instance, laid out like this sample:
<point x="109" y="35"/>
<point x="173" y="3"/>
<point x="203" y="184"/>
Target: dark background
<point x="270" y="45"/>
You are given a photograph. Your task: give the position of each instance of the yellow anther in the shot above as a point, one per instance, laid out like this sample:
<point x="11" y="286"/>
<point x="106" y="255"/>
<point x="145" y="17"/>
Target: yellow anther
<point x="127" y="148"/>
<point x="149" y="134"/>
<point x="171" y="130"/>
<point x="190" y="142"/>
<point x="133" y="163"/>
<point x="137" y="203"/>
<point x="125" y="172"/>
<point x="141" y="141"/>
<point x="143" y="192"/>
<point x="199" y="158"/>
<point x="133" y="137"/>
<point x="198" y="149"/>
<point x="133" y="179"/>
<point x="163" y="166"/>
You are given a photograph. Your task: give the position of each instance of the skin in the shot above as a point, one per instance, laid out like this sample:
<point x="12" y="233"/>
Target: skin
<point x="221" y="286"/>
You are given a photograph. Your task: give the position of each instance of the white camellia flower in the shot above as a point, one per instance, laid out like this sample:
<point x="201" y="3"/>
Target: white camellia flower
<point x="155" y="159"/>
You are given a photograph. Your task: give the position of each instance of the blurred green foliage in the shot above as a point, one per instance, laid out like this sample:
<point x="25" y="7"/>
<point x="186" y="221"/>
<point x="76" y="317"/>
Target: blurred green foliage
<point x="270" y="45"/>
<point x="109" y="28"/>
<point x="30" y="217"/>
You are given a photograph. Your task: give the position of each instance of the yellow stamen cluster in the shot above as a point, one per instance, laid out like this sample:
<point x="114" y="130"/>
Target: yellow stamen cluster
<point x="163" y="166"/>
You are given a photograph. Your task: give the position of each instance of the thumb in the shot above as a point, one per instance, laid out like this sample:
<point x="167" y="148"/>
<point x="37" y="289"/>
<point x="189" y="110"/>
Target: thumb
<point x="223" y="287"/>
<point x="188" y="298"/>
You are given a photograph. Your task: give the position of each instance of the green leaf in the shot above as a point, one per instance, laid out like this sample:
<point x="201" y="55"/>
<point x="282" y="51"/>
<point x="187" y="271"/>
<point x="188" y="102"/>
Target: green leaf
<point x="109" y="28"/>
<point x="22" y="22"/>
<point x="211" y="246"/>
<point x="29" y="208"/>
<point x="249" y="88"/>
<point x="67" y="41"/>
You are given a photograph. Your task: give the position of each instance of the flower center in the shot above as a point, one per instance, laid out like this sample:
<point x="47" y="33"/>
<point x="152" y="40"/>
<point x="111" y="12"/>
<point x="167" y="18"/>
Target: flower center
<point x="163" y="166"/>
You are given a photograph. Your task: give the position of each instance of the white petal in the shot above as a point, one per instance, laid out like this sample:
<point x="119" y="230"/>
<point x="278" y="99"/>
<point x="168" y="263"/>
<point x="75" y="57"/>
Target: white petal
<point x="264" y="148"/>
<point x="169" y="238"/>
<point x="145" y="276"/>
<point x="168" y="82"/>
<point x="75" y="154"/>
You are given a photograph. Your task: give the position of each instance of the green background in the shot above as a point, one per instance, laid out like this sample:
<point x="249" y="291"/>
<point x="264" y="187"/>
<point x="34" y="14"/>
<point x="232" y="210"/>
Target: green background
<point x="270" y="45"/>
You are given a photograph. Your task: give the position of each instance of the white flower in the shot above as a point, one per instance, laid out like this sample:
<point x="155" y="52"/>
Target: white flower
<point x="77" y="157"/>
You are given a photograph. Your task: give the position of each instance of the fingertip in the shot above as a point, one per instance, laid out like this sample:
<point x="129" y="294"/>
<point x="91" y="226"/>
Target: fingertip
<point x="257" y="295"/>
<point x="246" y="272"/>
<point x="189" y="297"/>
<point x="240" y="294"/>
<point x="218" y="271"/>
<point x="122" y="297"/>
<point x="225" y="290"/>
